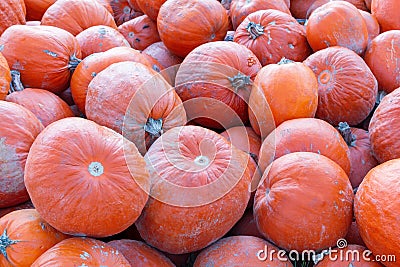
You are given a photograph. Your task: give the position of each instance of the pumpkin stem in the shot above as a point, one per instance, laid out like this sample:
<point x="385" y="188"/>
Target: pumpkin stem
<point x="5" y="242"/>
<point x="254" y="157"/>
<point x="73" y="62"/>
<point x="239" y="81"/>
<point x="255" y="30"/>
<point x="284" y="61"/>
<point x="16" y="84"/>
<point x="302" y="21"/>
<point x="154" y="127"/>
<point x="345" y="132"/>
<point x="202" y="160"/>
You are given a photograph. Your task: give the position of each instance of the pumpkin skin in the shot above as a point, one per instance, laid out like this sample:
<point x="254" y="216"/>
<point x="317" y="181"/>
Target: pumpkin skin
<point x="353" y="235"/>
<point x="44" y="55"/>
<point x="299" y="8"/>
<point x="198" y="162"/>
<point x="280" y="37"/>
<point x="18" y="129"/>
<point x="30" y="236"/>
<point x="240" y="9"/>
<point x="181" y="33"/>
<point x="123" y="11"/>
<point x="382" y="57"/>
<point x="77" y="16"/>
<point x="139" y="254"/>
<point x="12" y="12"/>
<point x="344" y="81"/>
<point x="348" y="30"/>
<point x="217" y="93"/>
<point x="148" y="105"/>
<point x="275" y="86"/>
<point x="379" y="190"/>
<point x="359" y="4"/>
<point x="5" y="77"/>
<point x="140" y="32"/>
<point x="77" y="251"/>
<point x="246" y="226"/>
<point x="386" y="14"/>
<point x="236" y="250"/>
<point x="46" y="106"/>
<point x="107" y="5"/>
<point x="385" y="120"/>
<point x="36" y="8"/>
<point x="26" y="205"/>
<point x="100" y="39"/>
<point x="160" y="52"/>
<point x="361" y="158"/>
<point x="118" y="184"/>
<point x="91" y="66"/>
<point x="368" y="3"/>
<point x="300" y="185"/>
<point x="372" y="25"/>
<point x="150" y="8"/>
<point x="305" y="135"/>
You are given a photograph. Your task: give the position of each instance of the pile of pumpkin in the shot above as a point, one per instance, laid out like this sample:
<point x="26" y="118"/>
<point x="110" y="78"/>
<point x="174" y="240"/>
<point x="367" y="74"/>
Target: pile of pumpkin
<point x="198" y="132"/>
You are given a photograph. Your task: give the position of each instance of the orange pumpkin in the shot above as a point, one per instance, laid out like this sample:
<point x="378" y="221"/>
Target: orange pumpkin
<point x="150" y="8"/>
<point x="79" y="251"/>
<point x="183" y="25"/>
<point x="368" y="4"/>
<point x="107" y="5"/>
<point x="192" y="161"/>
<point x="147" y="105"/>
<point x="272" y="35"/>
<point x="353" y="235"/>
<point x="382" y="57"/>
<point x="33" y="23"/>
<point x="237" y="250"/>
<point x="281" y="92"/>
<point x="240" y="9"/>
<point x="351" y="255"/>
<point x="77" y="16"/>
<point x="95" y="166"/>
<point x="26" y="205"/>
<point x="140" y="254"/>
<point x="5" y="77"/>
<point x="378" y="225"/>
<point x="99" y="39"/>
<point x="45" y="56"/>
<point x="299" y="8"/>
<point x="160" y="52"/>
<point x="36" y="8"/>
<point x="372" y="25"/>
<point x="124" y="11"/>
<point x="25" y="236"/>
<point x="246" y="226"/>
<point x="383" y="127"/>
<point x="140" y="32"/>
<point x="337" y="23"/>
<point x="360" y="4"/>
<point x="386" y="12"/>
<point x="217" y="92"/>
<point x="305" y="135"/>
<point x="308" y="186"/>
<point x="96" y="63"/>
<point x="12" y="12"/>
<point x="18" y="129"/>
<point x="347" y="89"/>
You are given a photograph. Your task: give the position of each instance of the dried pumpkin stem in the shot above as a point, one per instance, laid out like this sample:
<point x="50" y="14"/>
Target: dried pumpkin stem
<point x="73" y="62"/>
<point x="302" y="21"/>
<point x="255" y="30"/>
<point x="154" y="127"/>
<point x="239" y="81"/>
<point x="5" y="242"/>
<point x="345" y="132"/>
<point x="285" y="61"/>
<point x="16" y="84"/>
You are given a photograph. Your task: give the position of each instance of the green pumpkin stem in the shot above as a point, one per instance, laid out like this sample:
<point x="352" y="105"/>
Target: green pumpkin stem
<point x="6" y="242"/>
<point x="255" y="30"/>
<point x="239" y="81"/>
<point x="16" y="84"/>
<point x="284" y="61"/>
<point x="154" y="127"/>
<point x="345" y="132"/>
<point x="73" y="62"/>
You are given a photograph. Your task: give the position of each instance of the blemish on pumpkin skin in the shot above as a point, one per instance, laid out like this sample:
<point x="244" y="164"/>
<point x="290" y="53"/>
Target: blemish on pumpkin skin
<point x="10" y="168"/>
<point x="50" y="53"/>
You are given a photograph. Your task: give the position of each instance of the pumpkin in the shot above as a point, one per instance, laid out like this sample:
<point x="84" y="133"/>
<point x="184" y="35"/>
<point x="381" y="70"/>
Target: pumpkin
<point x="33" y="23"/>
<point x="18" y="129"/>
<point x="353" y="235"/>
<point x="78" y="251"/>
<point x="337" y="23"/>
<point x="94" y="64"/>
<point x="217" y="93"/>
<point x="246" y="226"/>
<point x="123" y="11"/>
<point x="382" y="57"/>
<point x="12" y="12"/>
<point x="26" y="205"/>
<point x="77" y="16"/>
<point x="45" y="56"/>
<point x="99" y="39"/>
<point x="240" y="9"/>
<point x="351" y="255"/>
<point x="66" y="96"/>
<point x="147" y="105"/>
<point x="305" y="135"/>
<point x="308" y="186"/>
<point x="36" y="8"/>
<point x="379" y="227"/>
<point x="25" y="236"/>
<point x="368" y="4"/>
<point x="361" y="158"/>
<point x="107" y="5"/>
<point x="347" y="89"/>
<point x="237" y="250"/>
<point x="372" y="25"/>
<point x="183" y="25"/>
<point x="140" y="32"/>
<point x="140" y="254"/>
<point x="150" y="8"/>
<point x="386" y="14"/>
<point x="384" y="123"/>
<point x="91" y="166"/>
<point x="360" y="4"/>
<point x="299" y="8"/>
<point x="281" y="92"/>
<point x="272" y="35"/>
<point x="5" y="77"/>
<point x="211" y="178"/>
<point x="229" y="36"/>
<point x="160" y="52"/>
